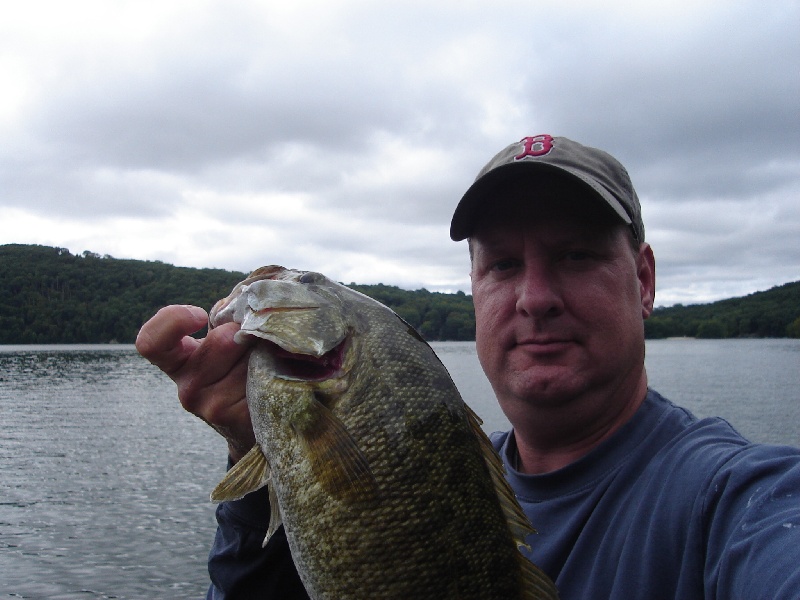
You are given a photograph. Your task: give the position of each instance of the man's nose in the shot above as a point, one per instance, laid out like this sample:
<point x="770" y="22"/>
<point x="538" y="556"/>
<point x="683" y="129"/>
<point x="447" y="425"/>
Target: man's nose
<point x="539" y="293"/>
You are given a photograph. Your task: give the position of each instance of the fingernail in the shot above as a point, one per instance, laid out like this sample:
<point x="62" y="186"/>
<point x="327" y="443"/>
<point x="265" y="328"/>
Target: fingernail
<point x="197" y="312"/>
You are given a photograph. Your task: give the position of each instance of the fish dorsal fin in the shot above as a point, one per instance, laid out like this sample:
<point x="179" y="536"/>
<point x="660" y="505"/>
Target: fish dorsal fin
<point x="248" y="475"/>
<point x="336" y="460"/>
<point x="536" y="585"/>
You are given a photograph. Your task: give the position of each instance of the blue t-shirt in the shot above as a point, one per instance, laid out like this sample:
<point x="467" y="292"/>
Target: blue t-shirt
<point x="669" y="507"/>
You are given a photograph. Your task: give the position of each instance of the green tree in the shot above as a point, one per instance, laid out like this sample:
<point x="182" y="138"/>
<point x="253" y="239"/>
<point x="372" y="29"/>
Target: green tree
<point x="793" y="329"/>
<point x="711" y="329"/>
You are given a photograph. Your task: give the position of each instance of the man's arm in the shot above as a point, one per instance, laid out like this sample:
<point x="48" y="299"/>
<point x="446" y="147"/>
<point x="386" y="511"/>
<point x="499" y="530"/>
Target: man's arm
<point x="754" y="525"/>
<point x="239" y="567"/>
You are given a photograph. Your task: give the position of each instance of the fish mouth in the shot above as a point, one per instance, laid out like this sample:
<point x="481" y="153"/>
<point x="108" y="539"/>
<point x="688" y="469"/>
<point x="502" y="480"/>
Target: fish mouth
<point x="305" y="367"/>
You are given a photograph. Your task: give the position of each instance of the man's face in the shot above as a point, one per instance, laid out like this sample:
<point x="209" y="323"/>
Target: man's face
<point x="560" y="296"/>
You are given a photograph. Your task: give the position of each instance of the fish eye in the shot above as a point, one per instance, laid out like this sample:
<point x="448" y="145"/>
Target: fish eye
<point x="311" y="277"/>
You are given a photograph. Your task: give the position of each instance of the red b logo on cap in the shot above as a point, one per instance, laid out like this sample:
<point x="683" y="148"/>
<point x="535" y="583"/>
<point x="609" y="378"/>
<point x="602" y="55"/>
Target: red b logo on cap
<point x="537" y="145"/>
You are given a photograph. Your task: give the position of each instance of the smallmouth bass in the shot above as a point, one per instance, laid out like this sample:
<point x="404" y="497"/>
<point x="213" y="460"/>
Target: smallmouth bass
<point x="379" y="472"/>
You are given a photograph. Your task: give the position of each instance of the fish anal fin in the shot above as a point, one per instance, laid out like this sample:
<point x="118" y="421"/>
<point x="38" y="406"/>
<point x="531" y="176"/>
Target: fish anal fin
<point x="336" y="460"/>
<point x="275" y="519"/>
<point x="248" y="475"/>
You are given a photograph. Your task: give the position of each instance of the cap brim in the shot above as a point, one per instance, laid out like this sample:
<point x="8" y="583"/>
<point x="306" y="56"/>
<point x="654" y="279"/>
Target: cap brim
<point x="463" y="221"/>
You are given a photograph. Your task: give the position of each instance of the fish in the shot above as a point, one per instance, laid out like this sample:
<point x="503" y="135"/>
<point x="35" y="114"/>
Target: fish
<point x="378" y="471"/>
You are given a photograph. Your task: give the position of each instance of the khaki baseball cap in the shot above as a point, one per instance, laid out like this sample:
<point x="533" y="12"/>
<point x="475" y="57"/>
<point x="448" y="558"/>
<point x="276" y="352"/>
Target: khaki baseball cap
<point x="539" y="157"/>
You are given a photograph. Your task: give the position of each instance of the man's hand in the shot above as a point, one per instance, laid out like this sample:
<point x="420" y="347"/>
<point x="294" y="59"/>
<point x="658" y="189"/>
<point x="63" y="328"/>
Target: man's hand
<point x="210" y="373"/>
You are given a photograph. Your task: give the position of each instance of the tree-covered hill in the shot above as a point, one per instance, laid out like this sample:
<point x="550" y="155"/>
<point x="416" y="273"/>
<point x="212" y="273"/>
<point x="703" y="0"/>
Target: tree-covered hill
<point x="435" y="315"/>
<point x="50" y="296"/>
<point x="772" y="313"/>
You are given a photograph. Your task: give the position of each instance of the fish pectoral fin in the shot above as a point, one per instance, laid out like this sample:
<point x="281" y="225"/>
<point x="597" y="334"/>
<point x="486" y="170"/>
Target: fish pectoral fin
<point x="336" y="459"/>
<point x="248" y="475"/>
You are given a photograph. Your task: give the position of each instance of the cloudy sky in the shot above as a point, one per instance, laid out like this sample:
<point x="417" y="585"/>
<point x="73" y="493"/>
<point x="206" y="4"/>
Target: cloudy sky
<point x="337" y="135"/>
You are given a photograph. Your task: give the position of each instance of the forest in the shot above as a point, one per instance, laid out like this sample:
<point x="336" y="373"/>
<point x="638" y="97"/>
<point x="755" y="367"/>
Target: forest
<point x="50" y="296"/>
<point x="773" y="313"/>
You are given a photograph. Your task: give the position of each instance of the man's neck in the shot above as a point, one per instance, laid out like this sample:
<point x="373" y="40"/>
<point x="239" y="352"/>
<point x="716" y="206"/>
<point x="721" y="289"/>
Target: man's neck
<point x="543" y="453"/>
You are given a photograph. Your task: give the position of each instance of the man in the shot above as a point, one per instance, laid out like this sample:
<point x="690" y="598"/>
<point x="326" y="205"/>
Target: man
<point x="632" y="496"/>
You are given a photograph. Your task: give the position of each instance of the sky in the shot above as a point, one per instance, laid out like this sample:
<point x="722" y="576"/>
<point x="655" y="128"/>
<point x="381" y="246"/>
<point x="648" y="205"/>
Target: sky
<point x="338" y="135"/>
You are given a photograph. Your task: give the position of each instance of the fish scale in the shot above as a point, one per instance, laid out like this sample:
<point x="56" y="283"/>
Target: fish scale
<point x="384" y="482"/>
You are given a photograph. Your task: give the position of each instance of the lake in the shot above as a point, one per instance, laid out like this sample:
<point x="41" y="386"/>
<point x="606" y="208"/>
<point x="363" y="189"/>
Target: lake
<point x="105" y="479"/>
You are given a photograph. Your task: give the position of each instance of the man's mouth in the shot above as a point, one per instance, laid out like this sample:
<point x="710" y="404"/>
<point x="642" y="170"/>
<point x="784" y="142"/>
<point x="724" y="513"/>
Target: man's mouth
<point x="544" y="344"/>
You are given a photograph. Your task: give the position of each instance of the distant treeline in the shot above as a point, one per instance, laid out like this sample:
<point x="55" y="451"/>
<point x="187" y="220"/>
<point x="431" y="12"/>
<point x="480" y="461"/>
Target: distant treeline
<point x="435" y="315"/>
<point x="49" y="296"/>
<point x="773" y="313"/>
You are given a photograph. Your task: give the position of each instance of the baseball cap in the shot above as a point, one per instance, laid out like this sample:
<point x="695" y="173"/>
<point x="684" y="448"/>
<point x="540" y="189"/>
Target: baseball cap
<point x="540" y="157"/>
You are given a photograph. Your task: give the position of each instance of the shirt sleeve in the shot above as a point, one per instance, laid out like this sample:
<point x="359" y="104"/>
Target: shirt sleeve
<point x="754" y="525"/>
<point x="238" y="565"/>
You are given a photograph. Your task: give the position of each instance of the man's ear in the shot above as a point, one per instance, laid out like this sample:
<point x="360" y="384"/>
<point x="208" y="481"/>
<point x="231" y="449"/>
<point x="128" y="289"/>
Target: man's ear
<point x="646" y="270"/>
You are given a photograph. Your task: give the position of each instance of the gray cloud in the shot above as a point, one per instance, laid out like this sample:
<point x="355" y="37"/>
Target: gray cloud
<point x="338" y="136"/>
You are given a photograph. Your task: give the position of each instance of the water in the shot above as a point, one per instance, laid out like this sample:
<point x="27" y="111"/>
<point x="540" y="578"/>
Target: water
<point x="754" y="384"/>
<point x="105" y="479"/>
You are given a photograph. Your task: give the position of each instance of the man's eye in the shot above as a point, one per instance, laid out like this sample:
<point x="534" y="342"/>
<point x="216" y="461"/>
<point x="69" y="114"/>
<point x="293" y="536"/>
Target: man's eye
<point x="578" y="255"/>
<point x="504" y="265"/>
